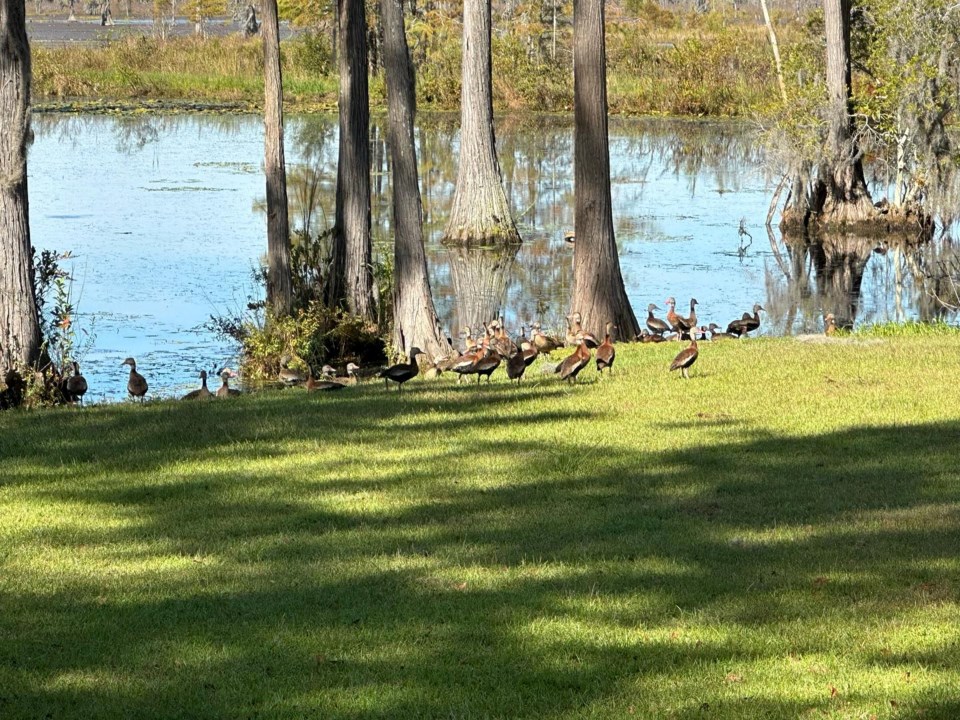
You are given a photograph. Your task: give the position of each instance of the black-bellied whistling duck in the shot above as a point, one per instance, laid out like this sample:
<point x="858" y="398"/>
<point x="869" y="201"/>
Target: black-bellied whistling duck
<point x="504" y="346"/>
<point x="225" y="390"/>
<point x="685" y="358"/>
<point x="327" y="384"/>
<point x="746" y="323"/>
<point x="516" y="366"/>
<point x="463" y="364"/>
<point x="201" y="393"/>
<point x="606" y="352"/>
<point x="544" y="343"/>
<point x="287" y="375"/>
<point x="573" y="364"/>
<point x="686" y="324"/>
<point x="136" y="383"/>
<point x="655" y="324"/>
<point x="75" y="385"/>
<point x="580" y="334"/>
<point x="648" y="337"/>
<point x="829" y="325"/>
<point x="487" y="364"/>
<point x="715" y="333"/>
<point x="672" y="317"/>
<point x="469" y="344"/>
<point x="401" y="372"/>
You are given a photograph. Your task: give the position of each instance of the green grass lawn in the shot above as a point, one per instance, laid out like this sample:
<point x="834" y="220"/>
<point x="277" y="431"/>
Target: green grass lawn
<point x="778" y="537"/>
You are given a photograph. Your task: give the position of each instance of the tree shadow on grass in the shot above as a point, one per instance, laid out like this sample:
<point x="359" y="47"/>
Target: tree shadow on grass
<point x="590" y="584"/>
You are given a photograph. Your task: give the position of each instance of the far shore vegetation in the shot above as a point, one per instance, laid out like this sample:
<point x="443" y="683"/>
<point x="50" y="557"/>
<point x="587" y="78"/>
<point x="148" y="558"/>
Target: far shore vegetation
<point x="715" y="64"/>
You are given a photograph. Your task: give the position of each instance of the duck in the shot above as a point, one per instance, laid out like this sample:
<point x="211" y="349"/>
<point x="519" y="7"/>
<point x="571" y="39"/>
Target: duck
<point x="504" y="346"/>
<point x="655" y="324"/>
<point x="544" y="343"/>
<point x="747" y="323"/>
<point x="324" y="385"/>
<point x="589" y="339"/>
<point x="829" y="325"/>
<point x="287" y="375"/>
<point x="606" y="352"/>
<point x="463" y="364"/>
<point x="715" y="333"/>
<point x="573" y="364"/>
<point x="672" y="317"/>
<point x="75" y="386"/>
<point x="487" y="364"/>
<point x="516" y="366"/>
<point x="686" y="324"/>
<point x="201" y="393"/>
<point x="225" y="390"/>
<point x="648" y="337"/>
<point x="137" y="383"/>
<point x="401" y="372"/>
<point x="685" y="359"/>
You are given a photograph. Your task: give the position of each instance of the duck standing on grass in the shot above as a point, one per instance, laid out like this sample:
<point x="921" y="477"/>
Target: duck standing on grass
<point x="685" y="359"/>
<point x="75" y="386"/>
<point x="401" y="372"/>
<point x="573" y="364"/>
<point x="136" y="383"/>
<point x="606" y="353"/>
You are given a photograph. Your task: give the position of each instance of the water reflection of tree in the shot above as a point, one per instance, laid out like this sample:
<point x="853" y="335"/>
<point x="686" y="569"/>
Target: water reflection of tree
<point x="479" y="277"/>
<point x="815" y="275"/>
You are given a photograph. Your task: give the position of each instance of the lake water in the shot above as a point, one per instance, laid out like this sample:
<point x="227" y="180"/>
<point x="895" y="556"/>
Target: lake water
<point x="164" y="218"/>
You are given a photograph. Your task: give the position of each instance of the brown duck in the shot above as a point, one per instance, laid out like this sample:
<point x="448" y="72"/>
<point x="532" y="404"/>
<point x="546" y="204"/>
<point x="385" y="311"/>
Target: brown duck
<point x="829" y="329"/>
<point x="225" y="390"/>
<point x="686" y="324"/>
<point x="136" y="383"/>
<point x="573" y="364"/>
<point x="579" y="333"/>
<point x="747" y="323"/>
<point x="655" y="324"/>
<point x="685" y="359"/>
<point x="606" y="352"/>
<point x="201" y="393"/>
<point x="544" y="343"/>
<point x="75" y="386"/>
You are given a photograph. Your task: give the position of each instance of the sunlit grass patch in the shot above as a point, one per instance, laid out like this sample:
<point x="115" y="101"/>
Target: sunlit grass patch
<point x="775" y="537"/>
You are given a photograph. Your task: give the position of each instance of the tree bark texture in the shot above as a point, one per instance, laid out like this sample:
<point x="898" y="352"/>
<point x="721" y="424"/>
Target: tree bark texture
<point x="350" y="283"/>
<point x="279" y="281"/>
<point x="598" y="290"/>
<point x="415" y="322"/>
<point x="842" y="197"/>
<point x="19" y="323"/>
<point x="480" y="213"/>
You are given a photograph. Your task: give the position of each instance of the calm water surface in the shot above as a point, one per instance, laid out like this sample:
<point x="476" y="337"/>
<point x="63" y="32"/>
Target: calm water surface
<point x="164" y="218"/>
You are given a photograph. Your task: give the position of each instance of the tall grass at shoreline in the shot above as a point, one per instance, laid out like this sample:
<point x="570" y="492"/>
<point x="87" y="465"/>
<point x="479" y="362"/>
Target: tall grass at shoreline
<point x="716" y="71"/>
<point x="775" y="537"/>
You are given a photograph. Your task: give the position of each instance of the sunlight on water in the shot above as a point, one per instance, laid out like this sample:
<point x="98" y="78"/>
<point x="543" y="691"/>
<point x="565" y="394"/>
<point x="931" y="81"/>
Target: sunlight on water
<point x="164" y="217"/>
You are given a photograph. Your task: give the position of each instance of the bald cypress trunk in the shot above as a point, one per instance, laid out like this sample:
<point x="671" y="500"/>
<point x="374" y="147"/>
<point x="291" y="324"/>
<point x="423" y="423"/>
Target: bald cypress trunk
<point x="842" y="196"/>
<point x="415" y="321"/>
<point x="480" y="213"/>
<point x="598" y="290"/>
<point x="279" y="281"/>
<point x="19" y="322"/>
<point x="350" y="283"/>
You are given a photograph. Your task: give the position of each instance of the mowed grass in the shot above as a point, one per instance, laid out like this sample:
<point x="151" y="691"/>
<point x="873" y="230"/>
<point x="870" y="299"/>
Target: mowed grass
<point x="775" y="538"/>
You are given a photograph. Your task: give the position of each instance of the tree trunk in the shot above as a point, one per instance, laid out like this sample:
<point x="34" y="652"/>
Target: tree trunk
<point x="480" y="213"/>
<point x="279" y="283"/>
<point x="598" y="291"/>
<point x="845" y="198"/>
<point x="19" y="322"/>
<point x="415" y="322"/>
<point x="350" y="283"/>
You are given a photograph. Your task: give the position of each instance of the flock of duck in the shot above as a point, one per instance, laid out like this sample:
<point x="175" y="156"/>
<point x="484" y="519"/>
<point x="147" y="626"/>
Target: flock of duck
<point x="482" y="356"/>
